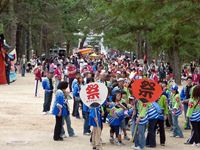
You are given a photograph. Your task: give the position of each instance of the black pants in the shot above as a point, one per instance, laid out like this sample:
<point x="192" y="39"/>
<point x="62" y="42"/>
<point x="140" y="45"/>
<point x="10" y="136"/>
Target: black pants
<point x="58" y="128"/>
<point x="8" y="76"/>
<point x="196" y="128"/>
<point x="23" y="70"/>
<point x="75" y="111"/>
<point x="105" y="115"/>
<point x="161" y="126"/>
<point x="127" y="120"/>
<point x="151" y="135"/>
<point x="191" y="139"/>
<point x="168" y="123"/>
<point x="70" y="83"/>
<point x="115" y="130"/>
<point x="47" y="101"/>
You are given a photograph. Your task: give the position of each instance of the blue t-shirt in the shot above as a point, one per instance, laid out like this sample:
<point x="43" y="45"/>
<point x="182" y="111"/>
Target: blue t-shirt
<point x="86" y="108"/>
<point x="116" y="118"/>
<point x="60" y="102"/>
<point x="76" y="90"/>
<point x="95" y="114"/>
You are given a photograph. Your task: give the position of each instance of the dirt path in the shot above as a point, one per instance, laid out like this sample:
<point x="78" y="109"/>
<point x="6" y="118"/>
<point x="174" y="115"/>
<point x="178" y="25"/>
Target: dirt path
<point x="22" y="123"/>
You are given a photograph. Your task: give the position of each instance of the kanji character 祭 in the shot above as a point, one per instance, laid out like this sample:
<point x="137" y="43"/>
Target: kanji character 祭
<point x="92" y="91"/>
<point x="147" y="89"/>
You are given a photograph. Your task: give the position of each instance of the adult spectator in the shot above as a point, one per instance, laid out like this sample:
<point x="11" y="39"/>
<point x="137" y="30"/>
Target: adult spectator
<point x="71" y="74"/>
<point x="58" y="75"/>
<point x="47" y="85"/>
<point x="23" y="65"/>
<point x="38" y="77"/>
<point x="185" y="96"/>
<point x="162" y="72"/>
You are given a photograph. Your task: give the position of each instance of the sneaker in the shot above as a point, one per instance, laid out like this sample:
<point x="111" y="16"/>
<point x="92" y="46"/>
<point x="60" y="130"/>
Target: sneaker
<point x="64" y="136"/>
<point x="193" y="144"/>
<point x="118" y="143"/>
<point x="60" y="139"/>
<point x="44" y="113"/>
<point x="112" y="140"/>
<point x="198" y="144"/>
<point x="87" y="133"/>
<point x="49" y="113"/>
<point x="73" y="135"/>
<point x="133" y="146"/>
<point x="136" y="147"/>
<point x="126" y="138"/>
<point x="162" y="144"/>
<point x="121" y="143"/>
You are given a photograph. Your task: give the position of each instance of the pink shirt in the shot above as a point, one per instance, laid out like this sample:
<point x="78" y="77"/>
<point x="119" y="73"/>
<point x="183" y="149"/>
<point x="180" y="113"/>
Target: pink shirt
<point x="58" y="73"/>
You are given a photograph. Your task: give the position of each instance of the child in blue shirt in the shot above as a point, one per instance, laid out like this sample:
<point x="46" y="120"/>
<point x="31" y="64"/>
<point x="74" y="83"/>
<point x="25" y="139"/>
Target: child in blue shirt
<point x="96" y="123"/>
<point x="59" y="110"/>
<point x="115" y="117"/>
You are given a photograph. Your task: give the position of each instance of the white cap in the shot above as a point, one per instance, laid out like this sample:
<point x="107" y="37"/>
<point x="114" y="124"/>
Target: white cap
<point x="118" y="72"/>
<point x="120" y="79"/>
<point x="140" y="69"/>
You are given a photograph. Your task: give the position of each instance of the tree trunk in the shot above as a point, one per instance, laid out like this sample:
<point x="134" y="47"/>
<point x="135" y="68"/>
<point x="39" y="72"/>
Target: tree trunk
<point x="147" y="49"/>
<point x="68" y="45"/>
<point x="19" y="49"/>
<point x="139" y="52"/>
<point x="44" y="40"/>
<point x="82" y="42"/>
<point x="176" y="63"/>
<point x="40" y="50"/>
<point x="170" y="58"/>
<point x="12" y="25"/>
<point x="30" y="45"/>
<point x="3" y="5"/>
<point x="26" y="42"/>
<point x="20" y="41"/>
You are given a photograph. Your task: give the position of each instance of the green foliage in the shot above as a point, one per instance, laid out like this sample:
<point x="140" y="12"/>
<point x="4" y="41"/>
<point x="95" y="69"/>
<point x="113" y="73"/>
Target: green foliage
<point x="1" y="28"/>
<point x="158" y="23"/>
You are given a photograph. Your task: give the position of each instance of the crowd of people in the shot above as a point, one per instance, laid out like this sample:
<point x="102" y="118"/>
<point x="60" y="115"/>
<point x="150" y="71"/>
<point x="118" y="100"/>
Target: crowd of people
<point x="121" y="110"/>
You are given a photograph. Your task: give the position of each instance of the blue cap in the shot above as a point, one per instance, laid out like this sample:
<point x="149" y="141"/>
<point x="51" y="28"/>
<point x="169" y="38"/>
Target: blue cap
<point x="174" y="87"/>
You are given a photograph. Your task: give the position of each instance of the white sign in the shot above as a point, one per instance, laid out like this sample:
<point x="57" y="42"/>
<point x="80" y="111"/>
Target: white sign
<point x="93" y="93"/>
